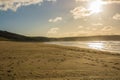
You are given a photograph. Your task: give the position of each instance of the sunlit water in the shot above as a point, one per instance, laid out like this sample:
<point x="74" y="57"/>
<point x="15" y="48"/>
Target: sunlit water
<point x="111" y="46"/>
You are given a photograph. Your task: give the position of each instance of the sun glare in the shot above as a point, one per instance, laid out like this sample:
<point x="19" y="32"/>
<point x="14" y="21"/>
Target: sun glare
<point x="96" y="45"/>
<point x="96" y="6"/>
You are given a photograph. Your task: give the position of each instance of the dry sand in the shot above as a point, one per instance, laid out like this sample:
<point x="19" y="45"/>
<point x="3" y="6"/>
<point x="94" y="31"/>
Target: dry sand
<point x="38" y="61"/>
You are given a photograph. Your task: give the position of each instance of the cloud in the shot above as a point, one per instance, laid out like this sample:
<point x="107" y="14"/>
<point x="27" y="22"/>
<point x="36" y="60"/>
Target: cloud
<point x="83" y="31"/>
<point x="81" y="0"/>
<point x="80" y="12"/>
<point x="50" y="0"/>
<point x="53" y="31"/>
<point x="107" y="28"/>
<point x="105" y="1"/>
<point x="55" y="19"/>
<point x="91" y="31"/>
<point x="80" y="27"/>
<point x="116" y="16"/>
<point x="78" y="33"/>
<point x="97" y="24"/>
<point x="15" y="4"/>
<point x="111" y="1"/>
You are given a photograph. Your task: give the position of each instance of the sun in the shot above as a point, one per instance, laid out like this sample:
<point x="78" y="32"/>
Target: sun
<point x="96" y="6"/>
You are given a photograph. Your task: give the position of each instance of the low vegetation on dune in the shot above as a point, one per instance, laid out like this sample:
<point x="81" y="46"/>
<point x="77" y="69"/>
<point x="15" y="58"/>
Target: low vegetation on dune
<point x="3" y="39"/>
<point x="39" y="61"/>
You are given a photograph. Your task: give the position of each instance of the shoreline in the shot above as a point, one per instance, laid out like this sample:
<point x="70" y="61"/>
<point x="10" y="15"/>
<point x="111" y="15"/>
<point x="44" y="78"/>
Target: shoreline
<point x="39" y="61"/>
<point x="86" y="45"/>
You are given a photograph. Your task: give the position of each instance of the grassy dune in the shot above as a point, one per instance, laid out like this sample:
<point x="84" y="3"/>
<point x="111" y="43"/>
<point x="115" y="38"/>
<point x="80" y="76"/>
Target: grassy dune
<point x="3" y="39"/>
<point x="39" y="61"/>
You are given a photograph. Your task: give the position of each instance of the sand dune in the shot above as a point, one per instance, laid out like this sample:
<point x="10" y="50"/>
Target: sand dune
<point x="39" y="61"/>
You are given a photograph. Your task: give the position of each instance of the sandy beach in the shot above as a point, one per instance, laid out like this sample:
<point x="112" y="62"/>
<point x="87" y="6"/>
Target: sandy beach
<point x="39" y="61"/>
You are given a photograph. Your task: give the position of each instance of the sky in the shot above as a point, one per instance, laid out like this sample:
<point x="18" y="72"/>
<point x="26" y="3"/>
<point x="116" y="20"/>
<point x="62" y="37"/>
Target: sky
<point x="60" y="18"/>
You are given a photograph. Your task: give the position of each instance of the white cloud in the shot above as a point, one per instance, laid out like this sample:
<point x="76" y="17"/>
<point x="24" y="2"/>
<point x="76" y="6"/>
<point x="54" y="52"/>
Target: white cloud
<point x="51" y="0"/>
<point x="83" y="31"/>
<point x="112" y="1"/>
<point x="81" y="0"/>
<point x="55" y="19"/>
<point x="78" y="33"/>
<point x="116" y="16"/>
<point x="105" y="1"/>
<point x="53" y="31"/>
<point x="91" y="31"/>
<point x="15" y="4"/>
<point x="107" y="28"/>
<point x="97" y="24"/>
<point x="80" y="12"/>
<point x="80" y="27"/>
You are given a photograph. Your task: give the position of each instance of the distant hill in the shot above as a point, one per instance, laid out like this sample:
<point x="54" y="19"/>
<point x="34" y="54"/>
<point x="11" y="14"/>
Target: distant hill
<point x="93" y="38"/>
<point x="5" y="35"/>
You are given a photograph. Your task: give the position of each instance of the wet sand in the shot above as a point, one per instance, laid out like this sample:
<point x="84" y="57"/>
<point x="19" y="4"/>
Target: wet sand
<point x="39" y="61"/>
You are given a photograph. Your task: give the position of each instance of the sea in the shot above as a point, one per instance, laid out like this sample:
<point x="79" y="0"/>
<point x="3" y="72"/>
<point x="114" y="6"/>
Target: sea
<point x="110" y="46"/>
